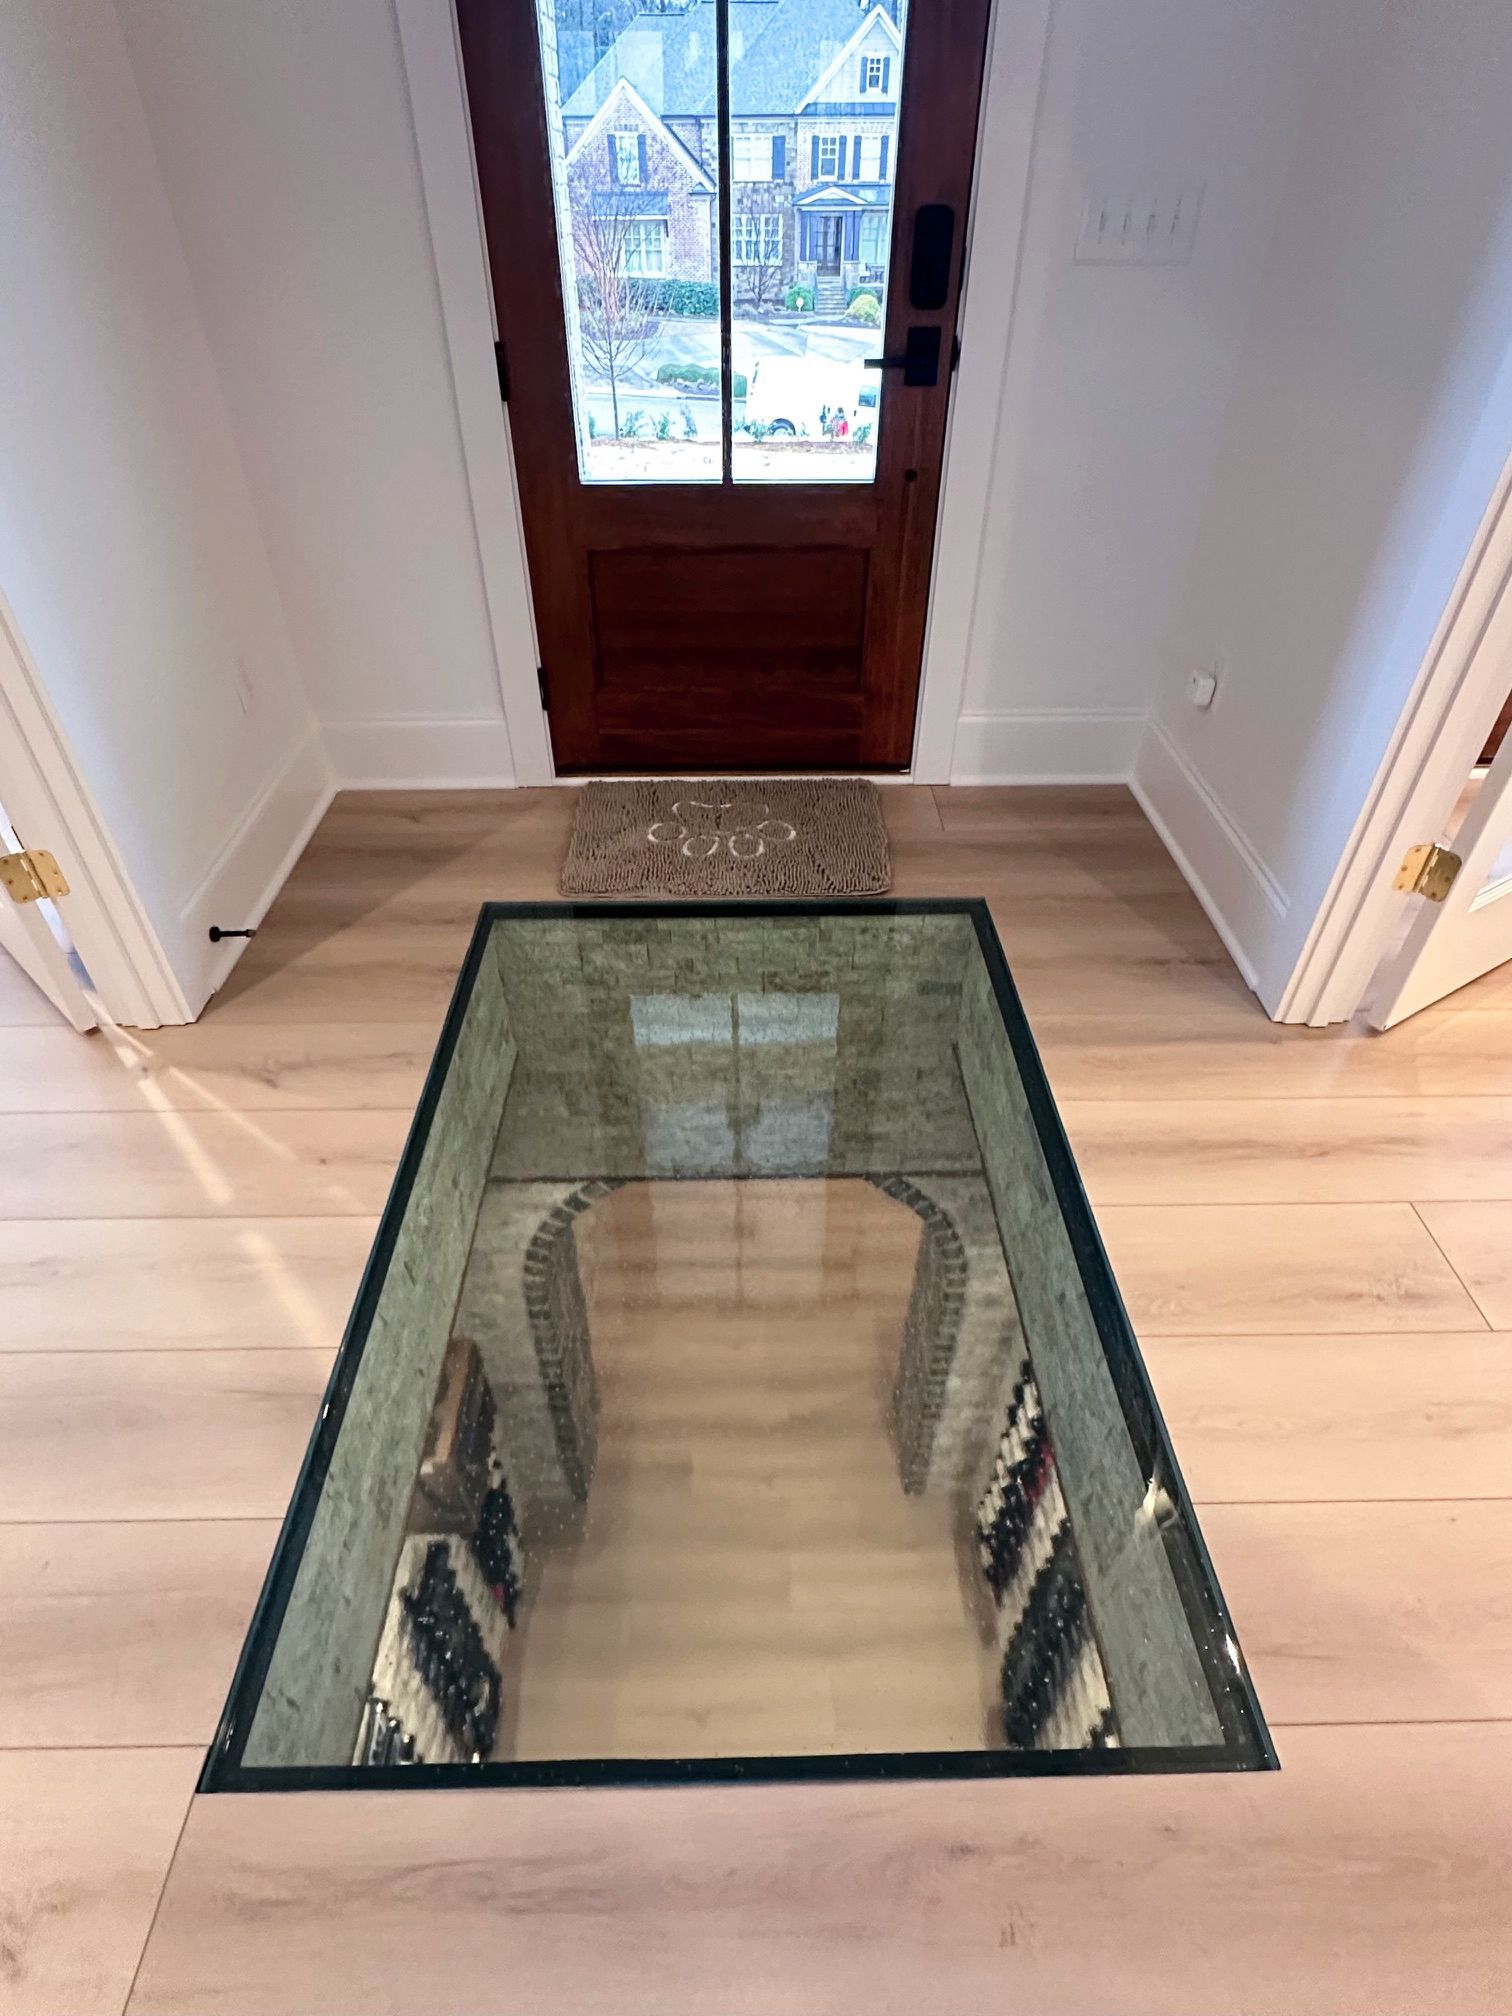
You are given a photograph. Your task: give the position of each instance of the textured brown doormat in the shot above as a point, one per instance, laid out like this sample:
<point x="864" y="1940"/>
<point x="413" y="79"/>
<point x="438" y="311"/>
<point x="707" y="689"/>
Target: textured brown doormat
<point x="732" y="836"/>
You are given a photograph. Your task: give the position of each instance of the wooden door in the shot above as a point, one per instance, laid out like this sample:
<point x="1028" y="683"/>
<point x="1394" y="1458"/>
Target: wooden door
<point x="729" y="528"/>
<point x="1469" y="932"/>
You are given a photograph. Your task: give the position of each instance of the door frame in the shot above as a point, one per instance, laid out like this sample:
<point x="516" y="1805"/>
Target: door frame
<point x="47" y="799"/>
<point x="1017" y="47"/>
<point x="1460" y="688"/>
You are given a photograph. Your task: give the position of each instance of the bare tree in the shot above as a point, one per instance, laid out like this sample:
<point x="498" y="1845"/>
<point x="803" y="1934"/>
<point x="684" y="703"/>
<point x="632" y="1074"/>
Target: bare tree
<point x="616" y="322"/>
<point x="760" y="277"/>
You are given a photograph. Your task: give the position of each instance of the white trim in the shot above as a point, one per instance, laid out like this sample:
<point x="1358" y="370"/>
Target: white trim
<point x="253" y="862"/>
<point x="600" y="120"/>
<point x="45" y="796"/>
<point x="865" y="29"/>
<point x="1047" y="745"/>
<point x="443" y="142"/>
<point x="989" y="396"/>
<point x="1224" y="869"/>
<point x="420" y="753"/>
<point x="1455" y="697"/>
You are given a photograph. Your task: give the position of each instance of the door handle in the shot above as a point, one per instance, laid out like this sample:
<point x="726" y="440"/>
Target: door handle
<point x="919" y="359"/>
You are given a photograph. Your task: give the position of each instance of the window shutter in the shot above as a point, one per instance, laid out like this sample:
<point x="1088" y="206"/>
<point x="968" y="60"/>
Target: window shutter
<point x="882" y="159"/>
<point x="640" y="148"/>
<point x="779" y="157"/>
<point x="814" y="159"/>
<point x="855" y="157"/>
<point x="613" y="158"/>
<point x="886" y="66"/>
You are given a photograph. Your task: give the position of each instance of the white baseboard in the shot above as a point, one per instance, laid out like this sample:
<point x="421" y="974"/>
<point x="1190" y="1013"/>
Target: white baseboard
<point x="1241" y="896"/>
<point x="1046" y="745"/>
<point x="253" y="862"/>
<point x="420" y="753"/>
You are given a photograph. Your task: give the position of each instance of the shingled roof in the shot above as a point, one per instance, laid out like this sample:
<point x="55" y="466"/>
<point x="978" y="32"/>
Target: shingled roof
<point x="777" y="50"/>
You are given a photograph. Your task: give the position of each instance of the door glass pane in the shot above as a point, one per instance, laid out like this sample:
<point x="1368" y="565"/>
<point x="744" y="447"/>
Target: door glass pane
<point x="632" y="121"/>
<point x="814" y="95"/>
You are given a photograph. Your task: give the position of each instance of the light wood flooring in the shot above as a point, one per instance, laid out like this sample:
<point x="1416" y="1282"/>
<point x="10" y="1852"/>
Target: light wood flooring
<point x="1313" y="1231"/>
<point x="751" y="1580"/>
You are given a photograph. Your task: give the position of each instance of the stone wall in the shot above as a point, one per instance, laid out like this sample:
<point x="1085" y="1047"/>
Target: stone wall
<point x="1160" y="1693"/>
<point x="523" y="1306"/>
<point x="736" y="1046"/>
<point x="961" y="1337"/>
<point x="317" y="1679"/>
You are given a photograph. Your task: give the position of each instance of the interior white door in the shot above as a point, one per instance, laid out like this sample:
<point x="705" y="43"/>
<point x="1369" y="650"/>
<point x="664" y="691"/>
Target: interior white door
<point x="26" y="937"/>
<point x="1451" y="943"/>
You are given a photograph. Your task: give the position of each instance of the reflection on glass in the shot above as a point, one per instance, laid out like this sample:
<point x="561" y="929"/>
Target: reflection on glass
<point x="737" y="1384"/>
<point x="814" y="95"/>
<point x="632" y="118"/>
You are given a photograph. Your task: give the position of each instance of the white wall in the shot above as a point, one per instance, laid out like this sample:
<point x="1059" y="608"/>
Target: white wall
<point x="288" y="148"/>
<point x="284" y="132"/>
<point x="129" y="549"/>
<point x="1371" y="414"/>
<point x="1118" y="376"/>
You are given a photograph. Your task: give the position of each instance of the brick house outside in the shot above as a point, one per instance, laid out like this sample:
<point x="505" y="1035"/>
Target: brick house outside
<point x="814" y="102"/>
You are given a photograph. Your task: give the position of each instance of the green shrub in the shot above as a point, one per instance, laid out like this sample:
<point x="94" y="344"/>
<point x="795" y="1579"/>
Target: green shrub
<point x="699" y="378"/>
<point x="690" y="425"/>
<point x="799" y="298"/>
<point x="681" y="297"/>
<point x="664" y="426"/>
<point x="864" y="308"/>
<point x="633" y="425"/>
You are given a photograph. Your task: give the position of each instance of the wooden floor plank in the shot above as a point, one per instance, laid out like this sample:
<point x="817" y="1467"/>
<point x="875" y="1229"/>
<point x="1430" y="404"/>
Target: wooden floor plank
<point x="216" y="1069"/>
<point x="1371" y="1613"/>
<point x="1274" y="1151"/>
<point x="114" y="1632"/>
<point x="1279" y="1269"/>
<point x="1367" y="1877"/>
<point x="154" y="1434"/>
<point x="1129" y="1056"/>
<point x="1476" y="1239"/>
<point x="167" y="1165"/>
<point x="88" y="1836"/>
<point x="1320" y="1417"/>
<point x="133" y="1284"/>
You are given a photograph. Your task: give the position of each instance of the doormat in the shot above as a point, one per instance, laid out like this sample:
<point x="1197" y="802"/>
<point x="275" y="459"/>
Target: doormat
<point x="731" y="836"/>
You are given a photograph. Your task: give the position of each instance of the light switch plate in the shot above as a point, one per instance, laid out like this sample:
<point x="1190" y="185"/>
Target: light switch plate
<point x="1147" y="230"/>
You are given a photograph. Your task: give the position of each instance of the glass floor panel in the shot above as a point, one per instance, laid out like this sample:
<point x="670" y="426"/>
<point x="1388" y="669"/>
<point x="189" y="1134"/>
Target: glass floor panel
<point x="737" y="1389"/>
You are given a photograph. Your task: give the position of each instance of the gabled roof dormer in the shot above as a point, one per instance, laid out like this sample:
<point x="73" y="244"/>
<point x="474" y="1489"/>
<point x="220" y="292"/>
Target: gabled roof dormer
<point x="877" y="35"/>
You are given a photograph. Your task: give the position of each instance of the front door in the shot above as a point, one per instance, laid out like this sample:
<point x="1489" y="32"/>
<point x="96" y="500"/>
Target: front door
<point x="729" y="510"/>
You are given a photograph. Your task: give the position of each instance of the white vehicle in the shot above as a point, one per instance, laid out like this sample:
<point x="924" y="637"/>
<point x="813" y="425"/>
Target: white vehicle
<point x="800" y="395"/>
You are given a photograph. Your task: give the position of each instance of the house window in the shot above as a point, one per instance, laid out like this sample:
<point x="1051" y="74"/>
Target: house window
<point x="827" y="150"/>
<point x="627" y="160"/>
<point x="645" y="248"/>
<point x="757" y="241"/>
<point x="873" y="74"/>
<point x="753" y="157"/>
<point x="874" y="236"/>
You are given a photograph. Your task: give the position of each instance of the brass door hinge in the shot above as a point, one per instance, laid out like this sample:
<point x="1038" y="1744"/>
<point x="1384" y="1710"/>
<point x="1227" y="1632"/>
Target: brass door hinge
<point x="31" y="874"/>
<point x="1428" y="870"/>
